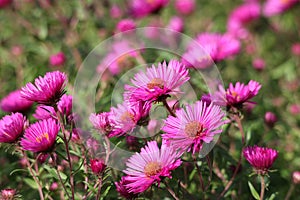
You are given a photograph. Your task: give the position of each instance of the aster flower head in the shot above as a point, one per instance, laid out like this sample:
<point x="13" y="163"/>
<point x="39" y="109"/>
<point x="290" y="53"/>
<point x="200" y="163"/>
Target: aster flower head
<point x="157" y="83"/>
<point x="193" y="126"/>
<point x="46" y="90"/>
<point x="275" y="7"/>
<point x="185" y="6"/>
<point x="64" y="106"/>
<point x="103" y="123"/>
<point x="125" y="25"/>
<point x="13" y="102"/>
<point x="40" y="136"/>
<point x="176" y="23"/>
<point x="150" y="166"/>
<point x="123" y="191"/>
<point x="97" y="165"/>
<point x="261" y="158"/>
<point x="142" y="8"/>
<point x="12" y="127"/>
<point x="44" y="112"/>
<point x="8" y="194"/>
<point x="296" y="177"/>
<point x="57" y="59"/>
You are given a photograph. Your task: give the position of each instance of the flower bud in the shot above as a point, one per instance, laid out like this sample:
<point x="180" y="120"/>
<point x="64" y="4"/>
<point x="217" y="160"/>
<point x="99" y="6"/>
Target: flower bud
<point x="97" y="166"/>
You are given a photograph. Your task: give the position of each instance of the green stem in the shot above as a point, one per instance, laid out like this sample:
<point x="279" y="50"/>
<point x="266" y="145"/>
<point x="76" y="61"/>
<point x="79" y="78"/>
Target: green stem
<point x="262" y="187"/>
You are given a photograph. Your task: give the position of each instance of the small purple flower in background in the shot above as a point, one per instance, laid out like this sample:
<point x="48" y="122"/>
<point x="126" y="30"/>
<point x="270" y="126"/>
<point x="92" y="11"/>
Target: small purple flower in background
<point x="176" y="23"/>
<point x="103" y="123"/>
<point x="64" y="106"/>
<point x="115" y="11"/>
<point x="294" y="109"/>
<point x="8" y="194"/>
<point x="194" y="126"/>
<point x="270" y="119"/>
<point x="125" y="25"/>
<point x="185" y="7"/>
<point x="46" y="90"/>
<point x="13" y="102"/>
<point x="12" y="127"/>
<point x="57" y="59"/>
<point x="259" y="64"/>
<point x="54" y="186"/>
<point x="261" y="158"/>
<point x="142" y="8"/>
<point x="40" y="136"/>
<point x="157" y="83"/>
<point x="4" y="3"/>
<point x="123" y="191"/>
<point x="296" y="177"/>
<point x="296" y="49"/>
<point x="241" y="16"/>
<point x="97" y="166"/>
<point x="44" y="112"/>
<point x="17" y="50"/>
<point x="150" y="166"/>
<point x="275" y="7"/>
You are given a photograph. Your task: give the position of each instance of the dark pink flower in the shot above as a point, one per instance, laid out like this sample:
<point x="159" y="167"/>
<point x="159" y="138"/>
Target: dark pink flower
<point x="142" y="8"/>
<point x="12" y="127"/>
<point x="4" y="3"/>
<point x="241" y="16"/>
<point x="125" y="25"/>
<point x="261" y="158"/>
<point x="150" y="166"/>
<point x="295" y="109"/>
<point x="275" y="7"/>
<point x="17" y="50"/>
<point x="54" y="186"/>
<point x="115" y="11"/>
<point x="44" y="112"/>
<point x="270" y="119"/>
<point x="157" y="83"/>
<point x="296" y="49"/>
<point x="259" y="64"/>
<point x="193" y="126"/>
<point x="103" y="123"/>
<point x="64" y="106"/>
<point x="8" y="194"/>
<point x="123" y="191"/>
<point x="97" y="165"/>
<point x="57" y="59"/>
<point x="40" y="136"/>
<point x="13" y="102"/>
<point x="185" y="6"/>
<point x="210" y="46"/>
<point x="176" y="24"/>
<point x="46" y="90"/>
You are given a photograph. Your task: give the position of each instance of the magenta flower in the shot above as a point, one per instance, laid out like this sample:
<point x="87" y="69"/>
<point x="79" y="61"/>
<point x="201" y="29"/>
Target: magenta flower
<point x="270" y="119"/>
<point x="44" y="112"/>
<point x="4" y="3"/>
<point x="97" y="165"/>
<point x="46" y="90"/>
<point x="142" y="8"/>
<point x="241" y="16"/>
<point x="296" y="177"/>
<point x="259" y="64"/>
<point x="215" y="45"/>
<point x="185" y="7"/>
<point x="8" y="194"/>
<point x="296" y="49"/>
<point x="157" y="83"/>
<point x="261" y="158"/>
<point x="194" y="126"/>
<point x="12" y="127"/>
<point x="150" y="166"/>
<point x="103" y="123"/>
<point x="125" y="25"/>
<point x="40" y="136"/>
<point x="115" y="11"/>
<point x="57" y="59"/>
<point x="176" y="24"/>
<point x="13" y="102"/>
<point x="64" y="106"/>
<point x="123" y="191"/>
<point x="275" y="7"/>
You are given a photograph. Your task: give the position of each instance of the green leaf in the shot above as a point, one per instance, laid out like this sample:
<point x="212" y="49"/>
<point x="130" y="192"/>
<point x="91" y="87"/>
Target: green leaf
<point x="31" y="183"/>
<point x="253" y="191"/>
<point x="17" y="170"/>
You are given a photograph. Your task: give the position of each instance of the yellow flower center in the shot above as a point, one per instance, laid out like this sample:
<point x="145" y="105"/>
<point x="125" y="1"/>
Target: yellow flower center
<point x="194" y="129"/>
<point x="152" y="168"/>
<point x="156" y="82"/>
<point x="40" y="137"/>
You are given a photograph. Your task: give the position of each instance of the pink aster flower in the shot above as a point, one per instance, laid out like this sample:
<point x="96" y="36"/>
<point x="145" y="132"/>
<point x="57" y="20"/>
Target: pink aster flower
<point x="44" y="112"/>
<point x="261" y="158"/>
<point x="185" y="6"/>
<point x="270" y="119"/>
<point x="64" y="106"/>
<point x="296" y="49"/>
<point x="12" y="127"/>
<point x="176" y="24"/>
<point x="97" y="165"/>
<point x="296" y="177"/>
<point x="13" y="102"/>
<point x="275" y="7"/>
<point x="142" y="8"/>
<point x="123" y="191"/>
<point x="211" y="46"/>
<point x="193" y="126"/>
<point x="4" y="3"/>
<point x="115" y="11"/>
<point x="125" y="25"/>
<point x="46" y="90"/>
<point x="241" y="16"/>
<point x="57" y="59"/>
<point x="259" y="64"/>
<point x="150" y="166"/>
<point x="8" y="194"/>
<point x="40" y="136"/>
<point x="103" y="123"/>
<point x="157" y="83"/>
